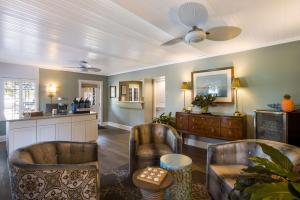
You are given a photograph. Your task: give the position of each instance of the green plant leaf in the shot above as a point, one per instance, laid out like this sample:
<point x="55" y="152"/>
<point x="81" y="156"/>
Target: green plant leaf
<point x="294" y="189"/>
<point x="277" y="157"/>
<point x="257" y="169"/>
<point x="270" y="166"/>
<point x="270" y="191"/>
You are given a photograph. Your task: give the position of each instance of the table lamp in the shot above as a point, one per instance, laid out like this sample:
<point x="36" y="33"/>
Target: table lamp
<point x="185" y="86"/>
<point x="236" y="83"/>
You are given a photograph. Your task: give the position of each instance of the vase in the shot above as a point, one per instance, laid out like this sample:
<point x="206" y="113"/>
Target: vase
<point x="204" y="110"/>
<point x="196" y="109"/>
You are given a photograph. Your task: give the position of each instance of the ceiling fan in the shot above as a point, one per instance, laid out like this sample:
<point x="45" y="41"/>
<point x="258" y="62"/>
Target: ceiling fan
<point x="84" y="66"/>
<point x="193" y="14"/>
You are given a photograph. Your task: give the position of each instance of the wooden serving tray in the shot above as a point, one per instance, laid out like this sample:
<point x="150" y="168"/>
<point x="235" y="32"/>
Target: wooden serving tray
<point x="154" y="175"/>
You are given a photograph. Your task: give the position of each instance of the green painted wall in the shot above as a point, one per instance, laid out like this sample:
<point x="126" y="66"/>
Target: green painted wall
<point x="67" y="86"/>
<point x="267" y="73"/>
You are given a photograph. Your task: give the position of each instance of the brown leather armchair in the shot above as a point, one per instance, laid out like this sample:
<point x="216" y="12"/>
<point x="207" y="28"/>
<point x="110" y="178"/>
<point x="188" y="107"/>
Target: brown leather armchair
<point x="225" y="162"/>
<point x="55" y="170"/>
<point x="148" y="142"/>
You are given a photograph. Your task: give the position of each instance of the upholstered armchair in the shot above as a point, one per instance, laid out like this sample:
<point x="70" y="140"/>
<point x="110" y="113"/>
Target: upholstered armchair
<point x="55" y="170"/>
<point x="225" y="162"/>
<point x="148" y="142"/>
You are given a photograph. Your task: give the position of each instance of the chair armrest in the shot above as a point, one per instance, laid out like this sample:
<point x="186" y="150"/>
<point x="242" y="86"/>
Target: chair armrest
<point x="174" y="140"/>
<point x="74" y="181"/>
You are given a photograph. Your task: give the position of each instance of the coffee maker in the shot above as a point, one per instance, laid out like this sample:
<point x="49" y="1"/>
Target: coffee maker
<point x="62" y="108"/>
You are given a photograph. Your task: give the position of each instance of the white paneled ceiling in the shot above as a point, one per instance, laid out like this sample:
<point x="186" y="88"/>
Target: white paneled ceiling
<point x="125" y="35"/>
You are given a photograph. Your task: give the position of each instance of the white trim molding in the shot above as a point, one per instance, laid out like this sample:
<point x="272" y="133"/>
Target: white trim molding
<point x="116" y="125"/>
<point x="2" y="138"/>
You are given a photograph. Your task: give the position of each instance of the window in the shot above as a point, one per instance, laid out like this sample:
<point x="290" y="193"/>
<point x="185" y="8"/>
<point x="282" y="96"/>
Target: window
<point x="19" y="97"/>
<point x="133" y="92"/>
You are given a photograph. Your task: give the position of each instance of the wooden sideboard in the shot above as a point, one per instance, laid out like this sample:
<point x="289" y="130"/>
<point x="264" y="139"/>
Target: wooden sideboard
<point x="218" y="126"/>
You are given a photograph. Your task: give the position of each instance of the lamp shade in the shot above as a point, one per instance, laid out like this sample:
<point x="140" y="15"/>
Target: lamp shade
<point x="236" y="83"/>
<point x="185" y="86"/>
<point x="51" y="89"/>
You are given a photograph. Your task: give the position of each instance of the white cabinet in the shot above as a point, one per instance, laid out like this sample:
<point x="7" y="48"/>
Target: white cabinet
<point x="64" y="132"/>
<point x="79" y="128"/>
<point x="78" y="131"/>
<point x="22" y="137"/>
<point x="46" y="133"/>
<point x="91" y="130"/>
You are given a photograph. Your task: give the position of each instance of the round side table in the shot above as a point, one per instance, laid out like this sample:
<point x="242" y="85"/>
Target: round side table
<point x="151" y="191"/>
<point x="180" y="166"/>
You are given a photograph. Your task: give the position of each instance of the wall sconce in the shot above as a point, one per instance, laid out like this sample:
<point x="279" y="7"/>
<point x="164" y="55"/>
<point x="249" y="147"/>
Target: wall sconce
<point x="51" y="91"/>
<point x="185" y="86"/>
<point x="236" y="84"/>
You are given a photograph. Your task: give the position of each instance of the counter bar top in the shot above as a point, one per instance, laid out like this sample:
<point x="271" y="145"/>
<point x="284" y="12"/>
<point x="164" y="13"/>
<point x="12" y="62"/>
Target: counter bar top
<point x="49" y="116"/>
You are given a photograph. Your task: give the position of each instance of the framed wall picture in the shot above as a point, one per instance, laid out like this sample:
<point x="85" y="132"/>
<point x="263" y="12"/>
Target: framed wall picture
<point x="123" y="90"/>
<point x="113" y="91"/>
<point x="214" y="81"/>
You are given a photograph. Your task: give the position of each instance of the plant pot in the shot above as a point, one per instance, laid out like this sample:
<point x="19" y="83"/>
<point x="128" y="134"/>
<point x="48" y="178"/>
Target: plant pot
<point x="196" y="109"/>
<point x="204" y="110"/>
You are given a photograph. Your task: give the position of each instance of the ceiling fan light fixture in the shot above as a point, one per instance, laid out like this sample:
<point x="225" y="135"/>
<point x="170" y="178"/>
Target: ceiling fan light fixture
<point x="195" y="36"/>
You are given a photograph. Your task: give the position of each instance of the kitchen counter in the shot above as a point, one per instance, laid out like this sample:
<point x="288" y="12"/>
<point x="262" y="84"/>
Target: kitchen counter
<point x="71" y="127"/>
<point x="49" y="116"/>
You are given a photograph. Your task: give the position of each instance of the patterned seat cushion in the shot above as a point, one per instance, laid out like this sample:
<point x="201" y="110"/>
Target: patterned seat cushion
<point x="149" y="151"/>
<point x="228" y="173"/>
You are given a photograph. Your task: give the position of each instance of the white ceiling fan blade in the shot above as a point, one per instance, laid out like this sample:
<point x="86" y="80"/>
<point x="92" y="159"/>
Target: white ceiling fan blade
<point x="93" y="69"/>
<point x="173" y="41"/>
<point x="192" y="14"/>
<point x="222" y="33"/>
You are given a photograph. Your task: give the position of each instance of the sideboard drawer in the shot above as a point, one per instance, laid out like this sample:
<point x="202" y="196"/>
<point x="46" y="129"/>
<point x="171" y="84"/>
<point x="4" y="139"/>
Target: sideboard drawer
<point x="205" y="121"/>
<point x="233" y="133"/>
<point x="231" y="123"/>
<point x="205" y="131"/>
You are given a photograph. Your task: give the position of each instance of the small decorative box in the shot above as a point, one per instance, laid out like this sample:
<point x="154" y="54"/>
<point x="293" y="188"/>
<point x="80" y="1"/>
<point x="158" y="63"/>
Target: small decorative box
<point x="154" y="175"/>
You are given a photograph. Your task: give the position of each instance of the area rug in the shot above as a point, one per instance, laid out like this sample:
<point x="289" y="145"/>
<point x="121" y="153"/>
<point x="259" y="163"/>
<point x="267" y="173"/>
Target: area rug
<point x="115" y="185"/>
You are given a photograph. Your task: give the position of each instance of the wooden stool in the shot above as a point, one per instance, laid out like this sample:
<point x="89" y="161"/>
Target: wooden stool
<point x="151" y="191"/>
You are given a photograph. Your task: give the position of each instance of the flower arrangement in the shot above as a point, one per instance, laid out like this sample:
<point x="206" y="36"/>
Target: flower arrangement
<point x="203" y="101"/>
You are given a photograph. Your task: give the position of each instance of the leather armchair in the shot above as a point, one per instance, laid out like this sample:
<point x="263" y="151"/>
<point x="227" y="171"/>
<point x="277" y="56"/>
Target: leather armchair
<point x="225" y="162"/>
<point x="55" y="170"/>
<point x="148" y="142"/>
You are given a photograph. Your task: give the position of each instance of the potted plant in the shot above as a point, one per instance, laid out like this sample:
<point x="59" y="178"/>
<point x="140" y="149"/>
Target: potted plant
<point x="268" y="179"/>
<point x="165" y="119"/>
<point x="204" y="101"/>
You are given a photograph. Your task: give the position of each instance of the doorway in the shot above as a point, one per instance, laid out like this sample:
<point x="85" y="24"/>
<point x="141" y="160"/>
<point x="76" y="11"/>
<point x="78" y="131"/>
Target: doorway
<point x="159" y="97"/>
<point x="93" y="91"/>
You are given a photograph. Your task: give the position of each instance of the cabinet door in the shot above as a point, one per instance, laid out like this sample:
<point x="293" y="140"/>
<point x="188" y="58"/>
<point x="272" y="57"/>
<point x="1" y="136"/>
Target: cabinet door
<point x="91" y="130"/>
<point x="78" y="131"/>
<point x="46" y="133"/>
<point x="182" y="122"/>
<point x="23" y="137"/>
<point x="63" y="132"/>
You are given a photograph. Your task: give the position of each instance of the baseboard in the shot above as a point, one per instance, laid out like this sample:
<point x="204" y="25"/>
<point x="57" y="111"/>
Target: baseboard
<point x="2" y="138"/>
<point x="195" y="143"/>
<point x="116" y="125"/>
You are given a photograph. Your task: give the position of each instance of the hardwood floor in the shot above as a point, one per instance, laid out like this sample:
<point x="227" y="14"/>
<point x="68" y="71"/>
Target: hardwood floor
<point x="113" y="154"/>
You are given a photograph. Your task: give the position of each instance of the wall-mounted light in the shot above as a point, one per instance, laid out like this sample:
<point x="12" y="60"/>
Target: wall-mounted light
<point x="51" y="91"/>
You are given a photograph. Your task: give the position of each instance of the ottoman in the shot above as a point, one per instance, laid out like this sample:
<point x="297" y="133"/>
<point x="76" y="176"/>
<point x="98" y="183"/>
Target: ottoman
<point x="180" y="166"/>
